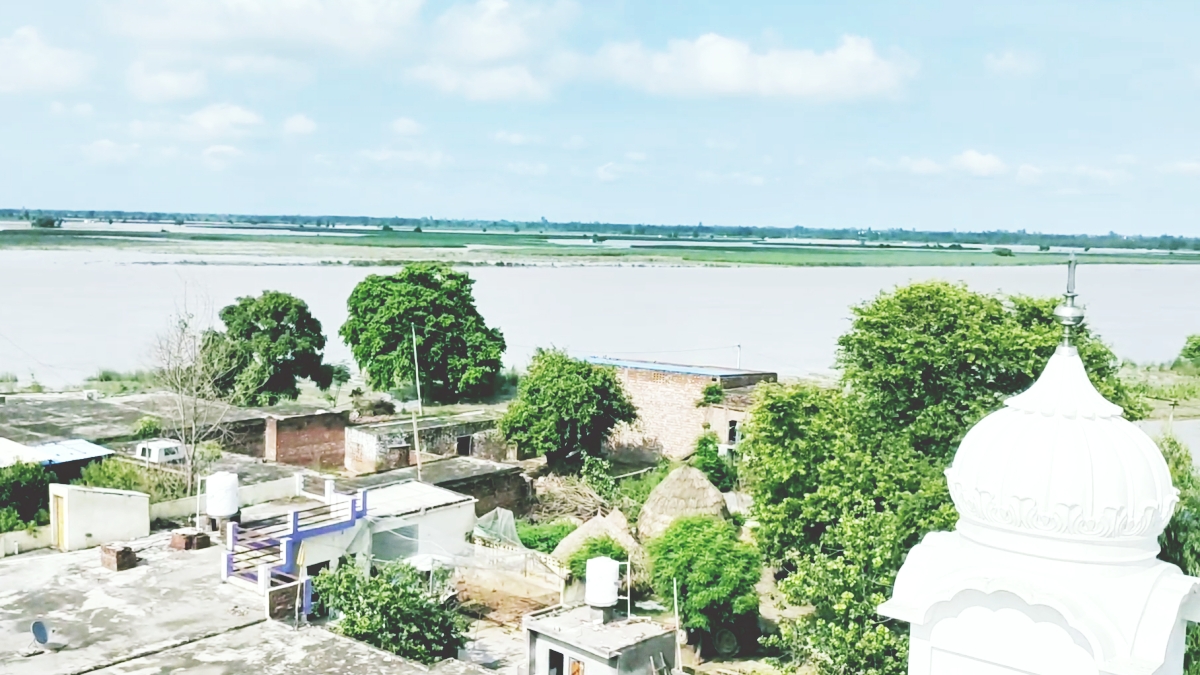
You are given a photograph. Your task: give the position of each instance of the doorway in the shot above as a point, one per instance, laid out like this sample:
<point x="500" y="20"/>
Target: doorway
<point x="463" y="445"/>
<point x="60" y="523"/>
<point x="556" y="663"/>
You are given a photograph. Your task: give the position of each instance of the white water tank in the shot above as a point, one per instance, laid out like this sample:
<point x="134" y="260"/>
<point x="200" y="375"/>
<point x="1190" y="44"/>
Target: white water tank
<point x="602" y="582"/>
<point x="221" y="494"/>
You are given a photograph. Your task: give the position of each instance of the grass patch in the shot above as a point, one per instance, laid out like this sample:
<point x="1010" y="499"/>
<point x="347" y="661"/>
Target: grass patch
<point x="544" y="537"/>
<point x="633" y="492"/>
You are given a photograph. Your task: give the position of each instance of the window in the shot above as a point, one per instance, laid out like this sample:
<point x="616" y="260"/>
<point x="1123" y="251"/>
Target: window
<point x="143" y="451"/>
<point x="733" y="432"/>
<point x="556" y="663"/>
<point x="396" y="544"/>
<point x="464" y="446"/>
<point x="576" y="667"/>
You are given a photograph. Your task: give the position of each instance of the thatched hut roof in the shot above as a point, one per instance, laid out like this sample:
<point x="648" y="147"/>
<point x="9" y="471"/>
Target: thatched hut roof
<point x="613" y="525"/>
<point x="686" y="491"/>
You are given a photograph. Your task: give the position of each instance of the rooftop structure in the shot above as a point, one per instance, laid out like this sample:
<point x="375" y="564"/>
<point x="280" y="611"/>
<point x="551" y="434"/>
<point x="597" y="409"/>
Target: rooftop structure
<point x="56" y="452"/>
<point x="493" y="484"/>
<point x="1052" y="566"/>
<point x="571" y="641"/>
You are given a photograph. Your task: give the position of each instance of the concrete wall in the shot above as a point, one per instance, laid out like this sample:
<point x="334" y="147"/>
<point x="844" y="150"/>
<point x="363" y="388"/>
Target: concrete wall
<point x="255" y="493"/>
<point x="507" y="489"/>
<point x="94" y="516"/>
<point x="368" y="452"/>
<point x="316" y="440"/>
<point x="441" y="531"/>
<point x="540" y="646"/>
<point x="387" y="446"/>
<point x="718" y="419"/>
<point x="12" y="543"/>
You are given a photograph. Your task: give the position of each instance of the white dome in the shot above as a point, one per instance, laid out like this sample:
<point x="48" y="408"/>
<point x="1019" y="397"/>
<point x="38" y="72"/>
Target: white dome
<point x="1059" y="473"/>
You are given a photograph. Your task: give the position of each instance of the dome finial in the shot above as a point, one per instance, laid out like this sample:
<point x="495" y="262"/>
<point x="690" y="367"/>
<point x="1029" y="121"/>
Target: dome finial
<point x="1067" y="313"/>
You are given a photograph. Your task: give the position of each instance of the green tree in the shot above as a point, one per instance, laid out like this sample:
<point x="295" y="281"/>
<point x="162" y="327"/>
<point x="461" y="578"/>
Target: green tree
<point x="846" y="480"/>
<point x="565" y="409"/>
<point x="459" y="355"/>
<point x="716" y="572"/>
<point x="544" y="537"/>
<point x="46" y="222"/>
<point x="393" y="610"/>
<point x="25" y="488"/>
<point x="1180" y="542"/>
<point x="1191" y="350"/>
<point x="720" y="471"/>
<point x="596" y="547"/>
<point x="274" y="340"/>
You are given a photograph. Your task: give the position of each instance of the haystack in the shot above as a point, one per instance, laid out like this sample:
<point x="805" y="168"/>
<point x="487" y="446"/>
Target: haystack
<point x="686" y="491"/>
<point x="613" y="525"/>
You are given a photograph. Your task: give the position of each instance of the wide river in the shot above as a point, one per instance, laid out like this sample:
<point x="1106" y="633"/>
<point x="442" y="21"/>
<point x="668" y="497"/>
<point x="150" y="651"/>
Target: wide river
<point x="66" y="314"/>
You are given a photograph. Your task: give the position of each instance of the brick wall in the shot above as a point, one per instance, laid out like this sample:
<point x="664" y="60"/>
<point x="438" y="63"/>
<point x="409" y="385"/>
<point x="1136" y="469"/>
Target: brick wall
<point x="314" y="440"/>
<point x="368" y="449"/>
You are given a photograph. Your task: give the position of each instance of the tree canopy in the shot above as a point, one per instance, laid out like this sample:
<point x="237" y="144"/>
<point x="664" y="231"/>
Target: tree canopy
<point x="393" y="610"/>
<point x="273" y="340"/>
<point x="715" y="571"/>
<point x="24" y="495"/>
<point x="1191" y="350"/>
<point x="458" y="354"/>
<point x="846" y="480"/>
<point x="565" y="409"/>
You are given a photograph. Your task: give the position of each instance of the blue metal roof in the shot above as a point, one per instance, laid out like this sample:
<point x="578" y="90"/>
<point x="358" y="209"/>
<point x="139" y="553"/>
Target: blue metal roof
<point x="58" y="452"/>
<point x="706" y="371"/>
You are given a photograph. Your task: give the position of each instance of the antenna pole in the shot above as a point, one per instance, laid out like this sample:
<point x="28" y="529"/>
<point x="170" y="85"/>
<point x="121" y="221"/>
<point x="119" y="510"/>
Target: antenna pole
<point x="1068" y="315"/>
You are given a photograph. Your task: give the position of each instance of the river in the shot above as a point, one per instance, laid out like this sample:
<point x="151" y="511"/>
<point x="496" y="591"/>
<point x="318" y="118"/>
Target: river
<point x="64" y="314"/>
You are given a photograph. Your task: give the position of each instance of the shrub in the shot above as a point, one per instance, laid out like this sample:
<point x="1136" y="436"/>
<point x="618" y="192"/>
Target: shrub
<point x="713" y="394"/>
<point x="119" y="474"/>
<point x="393" y="610"/>
<point x="25" y="488"/>
<point x="596" y="547"/>
<point x="46" y="222"/>
<point x="1003" y="252"/>
<point x="597" y="474"/>
<point x="633" y="492"/>
<point x="716" y="573"/>
<point x="721" y="472"/>
<point x="147" y="427"/>
<point x="1191" y="350"/>
<point x="544" y="537"/>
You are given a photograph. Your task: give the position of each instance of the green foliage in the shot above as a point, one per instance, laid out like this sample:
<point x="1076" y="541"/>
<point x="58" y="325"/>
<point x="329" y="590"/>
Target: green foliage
<point x="339" y="375"/>
<point x="392" y="610"/>
<point x="633" y="492"/>
<point x="109" y="375"/>
<point x="715" y="571"/>
<point x="846" y="480"/>
<point x="596" y="472"/>
<point x="459" y="355"/>
<point x="721" y="472"/>
<point x="544" y="537"/>
<point x="932" y="358"/>
<point x="713" y="394"/>
<point x="8" y="377"/>
<point x="25" y="488"/>
<point x="1191" y="350"/>
<point x="119" y="474"/>
<point x="148" y="427"/>
<point x="596" y="547"/>
<point x="273" y="340"/>
<point x="1180" y="542"/>
<point x="565" y="408"/>
<point x="1003" y="252"/>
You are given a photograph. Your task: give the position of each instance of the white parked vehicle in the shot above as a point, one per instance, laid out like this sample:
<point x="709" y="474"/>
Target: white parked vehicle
<point x="160" y="451"/>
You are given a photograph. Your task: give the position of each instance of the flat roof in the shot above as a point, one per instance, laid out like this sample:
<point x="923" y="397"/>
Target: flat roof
<point x="401" y="499"/>
<point x="437" y="472"/>
<point x="430" y="422"/>
<point x="73" y="450"/>
<point x="707" y="371"/>
<point x="574" y="625"/>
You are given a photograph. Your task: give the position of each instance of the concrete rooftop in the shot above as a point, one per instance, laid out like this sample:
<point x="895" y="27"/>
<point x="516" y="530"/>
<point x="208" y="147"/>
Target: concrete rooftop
<point x="575" y="626"/>
<point x="104" y="617"/>
<point x="436" y="472"/>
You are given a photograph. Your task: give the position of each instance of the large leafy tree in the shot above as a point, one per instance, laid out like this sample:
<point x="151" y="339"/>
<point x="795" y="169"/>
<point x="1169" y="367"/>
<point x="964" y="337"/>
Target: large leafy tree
<point x="715" y="572"/>
<point x="847" y="480"/>
<point x="458" y="354"/>
<point x="394" y="610"/>
<point x="565" y="409"/>
<point x="273" y="340"/>
<point x="24" y="495"/>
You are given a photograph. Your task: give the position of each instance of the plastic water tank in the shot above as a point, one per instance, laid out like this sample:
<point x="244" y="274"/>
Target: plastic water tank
<point x="221" y="494"/>
<point x="603" y="582"/>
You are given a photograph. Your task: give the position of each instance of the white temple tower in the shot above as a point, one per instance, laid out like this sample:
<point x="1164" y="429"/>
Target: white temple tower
<point x="1052" y="567"/>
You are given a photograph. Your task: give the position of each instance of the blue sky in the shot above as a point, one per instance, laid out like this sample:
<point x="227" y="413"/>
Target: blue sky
<point x="1050" y="116"/>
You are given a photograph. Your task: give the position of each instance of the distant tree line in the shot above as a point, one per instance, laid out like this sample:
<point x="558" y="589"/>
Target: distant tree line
<point x="1163" y="242"/>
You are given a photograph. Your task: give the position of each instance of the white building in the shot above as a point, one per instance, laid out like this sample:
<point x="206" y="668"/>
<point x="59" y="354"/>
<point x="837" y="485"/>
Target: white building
<point x="1052" y="568"/>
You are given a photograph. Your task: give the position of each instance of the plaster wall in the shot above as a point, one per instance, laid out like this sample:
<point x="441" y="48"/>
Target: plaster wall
<point x="440" y="532"/>
<point x="248" y="495"/>
<point x="12" y="543"/>
<point x="539" y="663"/>
<point x="95" y="516"/>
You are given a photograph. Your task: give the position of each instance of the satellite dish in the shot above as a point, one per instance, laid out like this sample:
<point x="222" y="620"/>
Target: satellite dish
<point x="41" y="634"/>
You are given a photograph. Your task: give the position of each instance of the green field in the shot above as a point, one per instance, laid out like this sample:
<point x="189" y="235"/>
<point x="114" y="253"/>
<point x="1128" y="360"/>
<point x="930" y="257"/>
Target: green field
<point x="376" y="246"/>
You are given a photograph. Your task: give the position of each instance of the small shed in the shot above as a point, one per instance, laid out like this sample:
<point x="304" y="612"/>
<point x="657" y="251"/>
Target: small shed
<point x="686" y="491"/>
<point x="65" y="459"/>
<point x="571" y="641"/>
<point x="82" y="517"/>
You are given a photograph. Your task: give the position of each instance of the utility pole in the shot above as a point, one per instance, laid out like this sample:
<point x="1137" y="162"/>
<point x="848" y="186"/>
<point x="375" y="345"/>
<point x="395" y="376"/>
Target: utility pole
<point x="739" y="356"/>
<point x="417" y="370"/>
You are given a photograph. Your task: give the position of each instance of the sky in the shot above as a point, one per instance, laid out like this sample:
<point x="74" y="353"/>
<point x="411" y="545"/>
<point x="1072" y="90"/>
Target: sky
<point x="1044" y="116"/>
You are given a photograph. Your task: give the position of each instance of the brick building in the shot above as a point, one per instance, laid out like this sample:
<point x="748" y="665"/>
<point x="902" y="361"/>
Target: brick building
<point x="383" y="446"/>
<point x="669" y="421"/>
<point x="316" y="440"/>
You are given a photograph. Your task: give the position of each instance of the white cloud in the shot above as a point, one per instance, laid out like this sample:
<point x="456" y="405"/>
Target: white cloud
<point x="105" y="151"/>
<point x="350" y="25"/>
<point x="493" y="30"/>
<point x="406" y="126"/>
<point x="609" y="171"/>
<point x="979" y="164"/>
<point x="1184" y="166"/>
<point x="482" y="84"/>
<point x="220" y="119"/>
<point x="528" y="169"/>
<point x="430" y="158"/>
<point x="919" y="165"/>
<point x="514" y="138"/>
<point x="263" y="64"/>
<point x="78" y="109"/>
<point x="299" y="124"/>
<point x="1028" y="173"/>
<point x="575" y="142"/>
<point x="159" y="86"/>
<point x="217" y="157"/>
<point x="27" y="64"/>
<point x="716" y="65"/>
<point x="1012" y="63"/>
